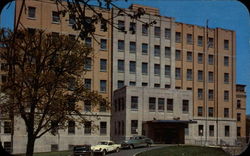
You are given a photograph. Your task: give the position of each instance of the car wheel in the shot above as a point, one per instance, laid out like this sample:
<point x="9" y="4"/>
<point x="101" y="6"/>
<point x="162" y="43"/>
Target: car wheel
<point x="104" y="152"/>
<point x="117" y="149"/>
<point x="131" y="146"/>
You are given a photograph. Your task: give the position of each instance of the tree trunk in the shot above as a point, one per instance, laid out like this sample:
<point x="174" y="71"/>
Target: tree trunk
<point x="30" y="145"/>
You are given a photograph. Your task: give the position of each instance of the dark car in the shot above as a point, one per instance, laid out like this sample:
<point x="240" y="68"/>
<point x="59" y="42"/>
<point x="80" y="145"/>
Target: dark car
<point x="137" y="141"/>
<point x="82" y="150"/>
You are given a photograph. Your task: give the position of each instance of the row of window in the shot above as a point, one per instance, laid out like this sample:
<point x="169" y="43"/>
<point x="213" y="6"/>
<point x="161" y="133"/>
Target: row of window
<point x="144" y="29"/>
<point x="103" y="85"/>
<point x="200" y="58"/>
<point x="103" y="64"/>
<point x="55" y="18"/>
<point x="211" y="130"/>
<point x="119" y="127"/>
<point x="153" y="103"/>
<point x="120" y="84"/>
<point x="87" y="127"/>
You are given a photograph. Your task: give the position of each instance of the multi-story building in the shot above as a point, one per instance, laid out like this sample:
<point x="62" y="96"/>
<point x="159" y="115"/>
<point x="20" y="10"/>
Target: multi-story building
<point x="241" y="112"/>
<point x="205" y="64"/>
<point x="43" y="15"/>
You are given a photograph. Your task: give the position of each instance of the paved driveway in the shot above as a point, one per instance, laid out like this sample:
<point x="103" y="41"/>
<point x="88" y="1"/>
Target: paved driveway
<point x="131" y="152"/>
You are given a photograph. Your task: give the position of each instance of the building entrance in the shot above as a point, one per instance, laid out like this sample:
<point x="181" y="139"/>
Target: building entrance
<point x="166" y="131"/>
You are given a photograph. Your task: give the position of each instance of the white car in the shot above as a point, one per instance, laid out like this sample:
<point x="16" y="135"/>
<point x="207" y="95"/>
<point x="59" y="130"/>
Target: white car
<point x="106" y="146"/>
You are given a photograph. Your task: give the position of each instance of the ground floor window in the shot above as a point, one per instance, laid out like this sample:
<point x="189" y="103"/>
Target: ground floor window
<point x="7" y="146"/>
<point x="227" y="131"/>
<point x="200" y="130"/>
<point x="211" y="130"/>
<point x="103" y="128"/>
<point x="238" y="131"/>
<point x="134" y="126"/>
<point x="54" y="147"/>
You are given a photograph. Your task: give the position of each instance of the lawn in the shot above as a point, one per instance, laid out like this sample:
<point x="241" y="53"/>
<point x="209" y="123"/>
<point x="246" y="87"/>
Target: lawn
<point x="61" y="153"/>
<point x="185" y="151"/>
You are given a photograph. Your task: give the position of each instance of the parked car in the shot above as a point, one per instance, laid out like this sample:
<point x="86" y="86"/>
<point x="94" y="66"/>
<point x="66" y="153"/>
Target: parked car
<point x="82" y="150"/>
<point x="106" y="146"/>
<point x="137" y="141"/>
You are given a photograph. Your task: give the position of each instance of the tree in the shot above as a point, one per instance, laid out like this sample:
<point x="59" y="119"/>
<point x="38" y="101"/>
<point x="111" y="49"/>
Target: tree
<point x="44" y="85"/>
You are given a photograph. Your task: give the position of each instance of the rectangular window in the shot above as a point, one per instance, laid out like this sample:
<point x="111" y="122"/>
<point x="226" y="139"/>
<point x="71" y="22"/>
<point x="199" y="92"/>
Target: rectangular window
<point x="226" y="61"/>
<point x="157" y="85"/>
<point x="7" y="146"/>
<point x="200" y="111"/>
<point x="87" y="106"/>
<point x="200" y="94"/>
<point x="167" y="86"/>
<point x="103" y="85"/>
<point x="87" y="65"/>
<point x="157" y="32"/>
<point x="87" y="127"/>
<point x="103" y="26"/>
<point x="157" y="51"/>
<point x="226" y="95"/>
<point x="189" y="74"/>
<point x="134" y="126"/>
<point x="7" y="127"/>
<point x="132" y="83"/>
<point x="226" y="44"/>
<point x="211" y="130"/>
<point x="200" y="130"/>
<point x="31" y="12"/>
<point x="71" y="104"/>
<point x="55" y="17"/>
<point x="226" y="112"/>
<point x="72" y="19"/>
<point x="227" y="131"/>
<point x="167" y="52"/>
<point x="132" y="28"/>
<point x="210" y="77"/>
<point x="161" y="102"/>
<point x="226" y="78"/>
<point x="178" y="73"/>
<point x="132" y="67"/>
<point x="120" y="84"/>
<point x="144" y="48"/>
<point x="88" y="42"/>
<point x="238" y="103"/>
<point x="132" y="47"/>
<point x="177" y="55"/>
<point x="103" y="106"/>
<point x="87" y="84"/>
<point x="134" y="102"/>
<point x="152" y="103"/>
<point x="189" y="39"/>
<point x="103" y="44"/>
<point x="54" y="147"/>
<point x="200" y="58"/>
<point x="210" y="42"/>
<point x="121" y="26"/>
<point x="200" y="75"/>
<point x="238" y="131"/>
<point x="185" y="105"/>
<point x="144" y="29"/>
<point x="210" y="112"/>
<point x="121" y="45"/>
<point x="167" y="70"/>
<point x="103" y="65"/>
<point x="120" y="66"/>
<point x="238" y="117"/>
<point x="210" y="59"/>
<point x="157" y="70"/>
<point x="170" y="105"/>
<point x="167" y="33"/>
<point x="210" y="94"/>
<point x="144" y="68"/>
<point x="103" y="128"/>
<point x="144" y="84"/>
<point x="189" y="56"/>
<point x="177" y="37"/>
<point x="200" y="41"/>
<point x="71" y="127"/>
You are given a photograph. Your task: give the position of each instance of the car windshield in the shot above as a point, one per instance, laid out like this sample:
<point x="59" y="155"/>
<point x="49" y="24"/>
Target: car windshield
<point x="82" y="148"/>
<point x="103" y="143"/>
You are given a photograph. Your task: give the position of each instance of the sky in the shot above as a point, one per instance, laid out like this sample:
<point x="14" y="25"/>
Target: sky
<point x="227" y="14"/>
